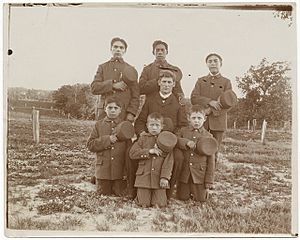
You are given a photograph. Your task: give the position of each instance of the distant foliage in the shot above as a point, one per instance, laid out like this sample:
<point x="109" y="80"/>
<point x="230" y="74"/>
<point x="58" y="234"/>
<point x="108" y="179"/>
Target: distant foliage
<point x="20" y="93"/>
<point x="75" y="99"/>
<point x="267" y="92"/>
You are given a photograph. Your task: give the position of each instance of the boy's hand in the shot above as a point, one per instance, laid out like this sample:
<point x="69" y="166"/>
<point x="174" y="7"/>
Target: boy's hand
<point x="191" y="144"/>
<point x="164" y="183"/>
<point x="209" y="186"/>
<point x="156" y="151"/>
<point x="120" y="86"/>
<point x="215" y="104"/>
<point x="130" y="117"/>
<point x="113" y="138"/>
<point x="143" y="133"/>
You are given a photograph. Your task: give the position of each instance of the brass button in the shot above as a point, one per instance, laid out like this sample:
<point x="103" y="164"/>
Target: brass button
<point x="191" y="164"/>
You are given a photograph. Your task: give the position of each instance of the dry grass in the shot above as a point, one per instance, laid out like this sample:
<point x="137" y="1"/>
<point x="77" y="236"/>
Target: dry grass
<point x="51" y="182"/>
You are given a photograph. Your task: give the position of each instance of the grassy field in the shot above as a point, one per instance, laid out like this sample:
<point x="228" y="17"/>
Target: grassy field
<point x="48" y="186"/>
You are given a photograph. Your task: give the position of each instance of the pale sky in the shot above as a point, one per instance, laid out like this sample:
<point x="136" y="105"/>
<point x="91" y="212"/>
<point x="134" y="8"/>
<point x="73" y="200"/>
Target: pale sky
<point x="54" y="46"/>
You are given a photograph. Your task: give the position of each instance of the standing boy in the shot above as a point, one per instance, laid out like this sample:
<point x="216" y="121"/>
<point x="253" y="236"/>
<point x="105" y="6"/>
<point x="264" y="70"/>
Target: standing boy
<point x="197" y="173"/>
<point x="149" y="78"/>
<point x="110" y="162"/>
<point x="119" y="79"/>
<point x="207" y="91"/>
<point x="154" y="166"/>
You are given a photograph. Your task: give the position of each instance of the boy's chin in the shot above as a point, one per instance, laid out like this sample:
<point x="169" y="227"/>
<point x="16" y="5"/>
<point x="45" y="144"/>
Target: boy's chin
<point x="154" y="133"/>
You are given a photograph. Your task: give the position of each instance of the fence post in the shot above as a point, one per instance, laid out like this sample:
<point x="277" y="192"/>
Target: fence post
<point x="248" y="125"/>
<point x="234" y="125"/>
<point x="254" y="124"/>
<point x="35" y="125"/>
<point x="263" y="133"/>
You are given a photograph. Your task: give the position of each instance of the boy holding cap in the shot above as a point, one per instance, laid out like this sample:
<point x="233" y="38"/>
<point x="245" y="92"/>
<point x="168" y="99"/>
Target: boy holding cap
<point x="110" y="151"/>
<point x="197" y="173"/>
<point x="207" y="91"/>
<point x="154" y="166"/>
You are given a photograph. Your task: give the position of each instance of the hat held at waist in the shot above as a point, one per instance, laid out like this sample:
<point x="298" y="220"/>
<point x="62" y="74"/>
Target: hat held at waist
<point x="124" y="131"/>
<point x="228" y="99"/>
<point x="166" y="141"/>
<point x="207" y="146"/>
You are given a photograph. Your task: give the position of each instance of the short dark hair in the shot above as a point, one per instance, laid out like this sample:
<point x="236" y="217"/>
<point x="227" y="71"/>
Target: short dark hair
<point x="118" y="39"/>
<point x="156" y="116"/>
<point x="197" y="108"/>
<point x="213" y="54"/>
<point x="156" y="42"/>
<point x="112" y="100"/>
<point x="167" y="73"/>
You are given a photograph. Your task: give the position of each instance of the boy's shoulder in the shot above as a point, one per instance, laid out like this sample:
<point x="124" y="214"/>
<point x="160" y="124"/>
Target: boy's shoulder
<point x="204" y="132"/>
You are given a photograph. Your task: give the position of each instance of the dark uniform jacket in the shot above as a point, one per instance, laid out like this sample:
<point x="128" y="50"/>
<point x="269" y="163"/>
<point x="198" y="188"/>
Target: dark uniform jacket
<point x="168" y="108"/>
<point x="200" y="167"/>
<point x="109" y="73"/>
<point x="210" y="88"/>
<point x="149" y="78"/>
<point x="151" y="168"/>
<point x="110" y="160"/>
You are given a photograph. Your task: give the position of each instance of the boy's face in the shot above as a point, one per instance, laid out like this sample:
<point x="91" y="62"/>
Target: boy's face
<point x="214" y="64"/>
<point x="112" y="110"/>
<point x="197" y="119"/>
<point x="166" y="85"/>
<point x="154" y="126"/>
<point x="160" y="52"/>
<point x="118" y="49"/>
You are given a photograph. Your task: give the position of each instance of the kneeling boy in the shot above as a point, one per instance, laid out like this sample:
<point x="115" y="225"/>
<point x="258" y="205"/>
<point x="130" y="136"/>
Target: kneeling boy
<point x="197" y="173"/>
<point x="154" y="167"/>
<point x="110" y="151"/>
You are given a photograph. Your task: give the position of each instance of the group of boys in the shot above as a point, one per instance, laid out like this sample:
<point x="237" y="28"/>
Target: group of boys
<point x="152" y="172"/>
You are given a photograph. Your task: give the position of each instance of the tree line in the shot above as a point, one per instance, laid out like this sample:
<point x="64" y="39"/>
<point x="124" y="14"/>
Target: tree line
<point x="266" y="88"/>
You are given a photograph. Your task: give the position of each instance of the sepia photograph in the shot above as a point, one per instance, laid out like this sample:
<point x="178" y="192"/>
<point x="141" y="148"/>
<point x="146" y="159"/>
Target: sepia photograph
<point x="149" y="119"/>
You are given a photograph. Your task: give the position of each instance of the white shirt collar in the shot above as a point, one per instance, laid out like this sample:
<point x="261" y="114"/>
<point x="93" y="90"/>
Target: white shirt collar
<point x="214" y="74"/>
<point x="165" y="96"/>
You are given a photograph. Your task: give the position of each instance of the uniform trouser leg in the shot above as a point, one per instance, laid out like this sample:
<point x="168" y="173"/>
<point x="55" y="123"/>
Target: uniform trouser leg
<point x="104" y="186"/>
<point x="131" y="166"/>
<point x="178" y="160"/>
<point x="143" y="197"/>
<point x="200" y="194"/>
<point x="183" y="191"/>
<point x="159" y="197"/>
<point x="117" y="187"/>
<point x="218" y="135"/>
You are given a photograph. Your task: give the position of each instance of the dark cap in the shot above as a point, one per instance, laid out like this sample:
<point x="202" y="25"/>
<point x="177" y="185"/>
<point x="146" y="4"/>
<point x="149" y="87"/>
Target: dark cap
<point x="118" y="39"/>
<point x="213" y="54"/>
<point x="156" y="42"/>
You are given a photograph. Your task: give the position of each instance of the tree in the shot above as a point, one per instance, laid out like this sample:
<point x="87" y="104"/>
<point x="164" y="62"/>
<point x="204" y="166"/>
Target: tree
<point x="267" y="92"/>
<point x="76" y="100"/>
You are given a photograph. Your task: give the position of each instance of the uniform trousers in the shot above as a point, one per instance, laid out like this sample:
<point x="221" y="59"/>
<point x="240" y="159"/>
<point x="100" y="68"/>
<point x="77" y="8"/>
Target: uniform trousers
<point x="151" y="197"/>
<point x="178" y="160"/>
<point x="110" y="187"/>
<point x="187" y="190"/>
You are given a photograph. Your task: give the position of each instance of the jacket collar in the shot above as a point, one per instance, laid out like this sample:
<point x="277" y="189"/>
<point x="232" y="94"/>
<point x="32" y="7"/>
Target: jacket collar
<point x="200" y="130"/>
<point x="114" y="59"/>
<point x="210" y="75"/>
<point x="108" y="120"/>
<point x="162" y="63"/>
<point x="159" y="99"/>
